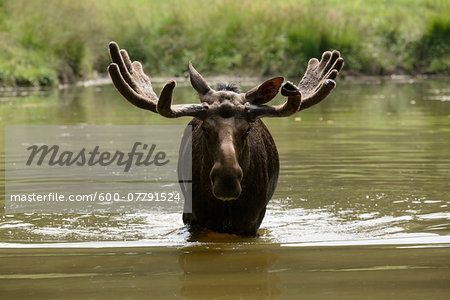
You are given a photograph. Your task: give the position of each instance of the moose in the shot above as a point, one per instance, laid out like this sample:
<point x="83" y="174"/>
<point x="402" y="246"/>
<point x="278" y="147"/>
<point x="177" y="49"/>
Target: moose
<point x="235" y="163"/>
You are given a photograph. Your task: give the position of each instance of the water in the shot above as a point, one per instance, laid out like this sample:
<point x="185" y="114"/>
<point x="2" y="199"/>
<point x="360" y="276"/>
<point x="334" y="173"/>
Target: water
<point x="361" y="207"/>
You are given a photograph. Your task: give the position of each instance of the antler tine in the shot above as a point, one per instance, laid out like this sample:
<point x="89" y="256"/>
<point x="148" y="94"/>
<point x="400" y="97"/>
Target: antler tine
<point x="166" y="109"/>
<point x="291" y="106"/>
<point x="130" y="80"/>
<point x="318" y="81"/>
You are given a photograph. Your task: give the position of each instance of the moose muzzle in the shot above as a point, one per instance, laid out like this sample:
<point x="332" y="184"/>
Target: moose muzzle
<point x="226" y="181"/>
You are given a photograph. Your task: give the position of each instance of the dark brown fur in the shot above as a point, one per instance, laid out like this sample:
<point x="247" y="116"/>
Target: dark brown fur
<point x="260" y="166"/>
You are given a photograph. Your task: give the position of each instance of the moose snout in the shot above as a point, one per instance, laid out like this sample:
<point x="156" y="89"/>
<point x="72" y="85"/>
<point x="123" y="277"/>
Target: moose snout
<point x="226" y="181"/>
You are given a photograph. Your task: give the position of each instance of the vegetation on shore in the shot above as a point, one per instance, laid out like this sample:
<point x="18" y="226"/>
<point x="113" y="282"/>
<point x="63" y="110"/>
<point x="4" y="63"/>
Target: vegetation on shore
<point x="51" y="41"/>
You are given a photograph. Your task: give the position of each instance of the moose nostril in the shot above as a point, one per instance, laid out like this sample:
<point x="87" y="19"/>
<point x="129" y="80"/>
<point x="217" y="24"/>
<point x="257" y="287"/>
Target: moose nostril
<point x="212" y="174"/>
<point x="240" y="174"/>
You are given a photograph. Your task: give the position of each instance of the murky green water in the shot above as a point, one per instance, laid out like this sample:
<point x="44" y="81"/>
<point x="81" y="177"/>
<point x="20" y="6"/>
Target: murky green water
<point x="361" y="209"/>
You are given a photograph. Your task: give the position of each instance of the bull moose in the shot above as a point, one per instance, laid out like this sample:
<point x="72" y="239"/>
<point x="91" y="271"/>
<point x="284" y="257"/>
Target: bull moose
<point x="235" y="161"/>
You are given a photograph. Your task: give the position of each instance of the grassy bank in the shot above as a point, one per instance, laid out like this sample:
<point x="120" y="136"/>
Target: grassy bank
<point x="43" y="42"/>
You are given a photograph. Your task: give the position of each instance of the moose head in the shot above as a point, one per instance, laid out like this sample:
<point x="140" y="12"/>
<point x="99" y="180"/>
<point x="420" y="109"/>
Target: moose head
<point x="235" y="162"/>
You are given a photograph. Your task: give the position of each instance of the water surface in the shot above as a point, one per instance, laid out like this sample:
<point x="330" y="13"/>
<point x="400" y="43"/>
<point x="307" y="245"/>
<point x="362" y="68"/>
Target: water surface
<point x="362" y="201"/>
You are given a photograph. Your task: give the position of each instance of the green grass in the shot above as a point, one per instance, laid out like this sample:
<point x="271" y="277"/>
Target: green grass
<point x="46" y="41"/>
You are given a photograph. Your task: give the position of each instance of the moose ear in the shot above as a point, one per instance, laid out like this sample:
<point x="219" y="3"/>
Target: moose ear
<point x="264" y="92"/>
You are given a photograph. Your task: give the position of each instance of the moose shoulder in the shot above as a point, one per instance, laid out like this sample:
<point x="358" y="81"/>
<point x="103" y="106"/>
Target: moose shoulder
<point x="234" y="158"/>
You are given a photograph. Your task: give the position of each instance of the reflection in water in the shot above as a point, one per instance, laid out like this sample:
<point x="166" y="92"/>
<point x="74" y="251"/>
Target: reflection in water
<point x="218" y="271"/>
<point x="226" y="270"/>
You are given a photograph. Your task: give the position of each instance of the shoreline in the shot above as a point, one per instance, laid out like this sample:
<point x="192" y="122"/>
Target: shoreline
<point x="158" y="82"/>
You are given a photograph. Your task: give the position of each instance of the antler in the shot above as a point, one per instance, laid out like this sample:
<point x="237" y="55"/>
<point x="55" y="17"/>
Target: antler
<point x="166" y="109"/>
<point x="130" y="80"/>
<point x="318" y="80"/>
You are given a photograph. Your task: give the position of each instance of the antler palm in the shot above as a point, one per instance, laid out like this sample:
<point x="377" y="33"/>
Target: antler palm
<point x="318" y="80"/>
